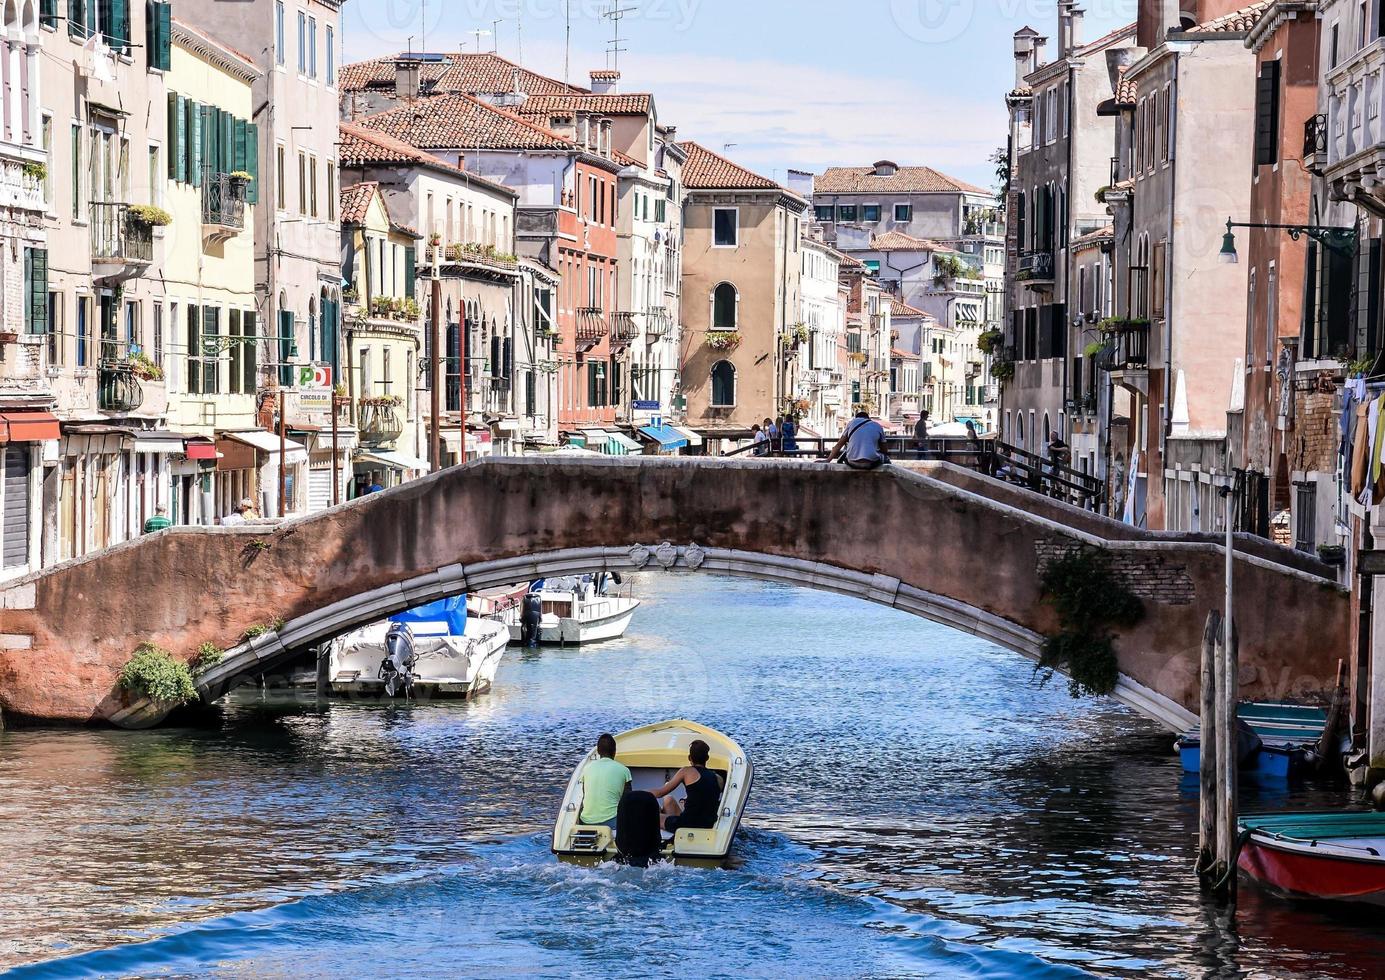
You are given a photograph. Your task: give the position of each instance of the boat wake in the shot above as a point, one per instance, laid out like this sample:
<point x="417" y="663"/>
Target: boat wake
<point x="510" y="907"/>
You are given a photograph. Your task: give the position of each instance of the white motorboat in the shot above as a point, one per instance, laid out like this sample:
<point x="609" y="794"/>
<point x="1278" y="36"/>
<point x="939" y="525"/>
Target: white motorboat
<point x="433" y="651"/>
<point x="573" y="611"/>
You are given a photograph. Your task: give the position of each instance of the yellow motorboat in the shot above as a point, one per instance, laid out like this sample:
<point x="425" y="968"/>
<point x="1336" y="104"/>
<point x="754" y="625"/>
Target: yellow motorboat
<point x="653" y="754"/>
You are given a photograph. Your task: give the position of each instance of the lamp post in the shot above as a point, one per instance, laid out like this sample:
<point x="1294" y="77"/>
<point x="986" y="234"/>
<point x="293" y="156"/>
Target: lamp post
<point x="1335" y="237"/>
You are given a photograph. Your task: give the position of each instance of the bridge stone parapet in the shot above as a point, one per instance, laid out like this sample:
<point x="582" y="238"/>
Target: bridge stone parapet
<point x="938" y="542"/>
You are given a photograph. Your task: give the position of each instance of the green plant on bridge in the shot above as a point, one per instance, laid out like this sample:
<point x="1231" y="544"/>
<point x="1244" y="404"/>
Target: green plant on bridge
<point x="154" y="674"/>
<point x="208" y="656"/>
<point x="1090" y="600"/>
<point x="261" y="629"/>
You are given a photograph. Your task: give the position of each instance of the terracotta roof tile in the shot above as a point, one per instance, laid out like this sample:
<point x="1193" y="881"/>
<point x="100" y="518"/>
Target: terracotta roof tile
<point x="708" y="170"/>
<point x="1127" y="91"/>
<point x="355" y="201"/>
<point x="1092" y="237"/>
<point x="634" y="104"/>
<point x="897" y="241"/>
<point x="1236" y="22"/>
<point x="453" y="72"/>
<point x="924" y="180"/>
<point x="900" y="308"/>
<point x="457" y="121"/>
<point x="363" y="146"/>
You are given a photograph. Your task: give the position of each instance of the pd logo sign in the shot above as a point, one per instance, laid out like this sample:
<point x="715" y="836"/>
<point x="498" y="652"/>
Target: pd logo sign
<point x="314" y="376"/>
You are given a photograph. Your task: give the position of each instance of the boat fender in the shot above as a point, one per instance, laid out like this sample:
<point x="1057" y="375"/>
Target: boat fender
<point x="1378" y="796"/>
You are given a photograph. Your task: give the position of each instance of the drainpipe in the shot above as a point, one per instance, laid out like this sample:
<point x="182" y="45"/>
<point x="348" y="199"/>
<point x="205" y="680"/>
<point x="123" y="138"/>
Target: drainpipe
<point x="1165" y="409"/>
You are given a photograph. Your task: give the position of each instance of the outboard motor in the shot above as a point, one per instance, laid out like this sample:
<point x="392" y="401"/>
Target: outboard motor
<point x="397" y="669"/>
<point x="530" y="619"/>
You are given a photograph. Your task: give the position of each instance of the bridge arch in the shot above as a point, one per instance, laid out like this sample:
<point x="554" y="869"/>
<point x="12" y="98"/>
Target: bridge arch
<point x="943" y="543"/>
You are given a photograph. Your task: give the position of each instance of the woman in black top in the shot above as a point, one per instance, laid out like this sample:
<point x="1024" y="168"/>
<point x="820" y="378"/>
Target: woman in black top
<point x="703" y="788"/>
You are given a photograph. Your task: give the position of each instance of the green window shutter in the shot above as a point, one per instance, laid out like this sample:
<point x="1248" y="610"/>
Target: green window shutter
<point x="249" y="354"/>
<point x="180" y="147"/>
<point x="118" y="30"/>
<point x="36" y="290"/>
<point x="228" y="143"/>
<point x="151" y="34"/>
<point x="285" y="348"/>
<point x="410" y="271"/>
<point x="252" y="162"/>
<point x="163" y="42"/>
<point x="211" y="322"/>
<point x="194" y="354"/>
<point x="239" y="162"/>
<point x="76" y="18"/>
<point x="172" y="147"/>
<point x="197" y="135"/>
<point x="48" y="13"/>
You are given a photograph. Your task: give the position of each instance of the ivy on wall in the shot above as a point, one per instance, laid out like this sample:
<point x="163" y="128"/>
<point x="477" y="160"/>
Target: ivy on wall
<point x="1091" y="600"/>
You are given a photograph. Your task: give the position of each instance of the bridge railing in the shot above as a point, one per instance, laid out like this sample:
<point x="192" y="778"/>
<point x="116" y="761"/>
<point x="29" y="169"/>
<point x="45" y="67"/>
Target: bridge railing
<point x="1042" y="474"/>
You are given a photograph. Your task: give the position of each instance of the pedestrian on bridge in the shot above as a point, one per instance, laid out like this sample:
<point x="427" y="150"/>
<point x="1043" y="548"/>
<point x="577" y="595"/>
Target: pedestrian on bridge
<point x="921" y="432"/>
<point x="862" y="446"/>
<point x="158" y="522"/>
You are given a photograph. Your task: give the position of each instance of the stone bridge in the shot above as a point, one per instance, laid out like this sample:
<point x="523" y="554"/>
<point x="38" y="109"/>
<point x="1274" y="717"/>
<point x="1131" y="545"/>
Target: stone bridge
<point x="931" y="539"/>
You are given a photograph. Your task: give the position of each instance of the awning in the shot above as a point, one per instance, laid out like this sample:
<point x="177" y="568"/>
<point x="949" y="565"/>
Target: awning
<point x="397" y="460"/>
<point x="621" y="439"/>
<point x="161" y="443"/>
<point x="201" y="449"/>
<point x="693" y="438"/>
<point x="268" y="442"/>
<point x="30" y="426"/>
<point x="576" y="439"/>
<point x="666" y="436"/>
<point x="477" y="443"/>
<point x="597" y="440"/>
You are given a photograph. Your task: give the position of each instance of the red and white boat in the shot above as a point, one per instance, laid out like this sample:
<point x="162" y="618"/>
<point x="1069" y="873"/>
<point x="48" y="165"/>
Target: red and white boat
<point x="1334" y="855"/>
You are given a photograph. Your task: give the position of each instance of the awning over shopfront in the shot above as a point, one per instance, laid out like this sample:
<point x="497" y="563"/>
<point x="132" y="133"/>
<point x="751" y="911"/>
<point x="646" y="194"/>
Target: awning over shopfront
<point x="668" y="438"/>
<point x="396" y="460"/>
<point x="29" y="426"/>
<point x="478" y="442"/>
<point x="161" y="443"/>
<point x="625" y="442"/>
<point x="693" y="438"/>
<point x="268" y="442"/>
<point x="201" y="449"/>
<point x="576" y="439"/>
<point x="610" y="443"/>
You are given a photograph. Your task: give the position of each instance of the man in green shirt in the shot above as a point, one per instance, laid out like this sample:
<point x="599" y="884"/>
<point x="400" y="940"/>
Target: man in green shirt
<point x="604" y="782"/>
<point x="158" y="522"/>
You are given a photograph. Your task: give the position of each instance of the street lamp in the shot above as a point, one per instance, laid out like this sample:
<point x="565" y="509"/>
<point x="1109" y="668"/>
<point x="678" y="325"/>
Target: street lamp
<point x="1336" y="238"/>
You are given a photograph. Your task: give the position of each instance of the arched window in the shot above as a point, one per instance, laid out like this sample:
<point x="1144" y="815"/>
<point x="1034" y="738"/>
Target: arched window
<point x="314" y="345"/>
<point x="724" y="307"/>
<point x="1019" y="430"/>
<point x="723" y="384"/>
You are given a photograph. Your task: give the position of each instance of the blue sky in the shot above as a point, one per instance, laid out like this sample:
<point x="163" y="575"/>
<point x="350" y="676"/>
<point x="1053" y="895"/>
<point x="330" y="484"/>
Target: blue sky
<point x="804" y="85"/>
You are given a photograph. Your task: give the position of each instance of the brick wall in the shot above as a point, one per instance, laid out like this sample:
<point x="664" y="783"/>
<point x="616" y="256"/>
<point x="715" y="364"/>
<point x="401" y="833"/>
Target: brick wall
<point x="1312" y="445"/>
<point x="1151" y="576"/>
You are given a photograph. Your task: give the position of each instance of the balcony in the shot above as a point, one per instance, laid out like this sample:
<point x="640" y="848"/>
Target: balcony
<point x="122" y="246"/>
<point x="1315" y="142"/>
<point x="1036" y="269"/>
<point x="21" y="185"/>
<point x="591" y="327"/>
<point x="117" y="389"/>
<point x="658" y="323"/>
<point x="223" y="206"/>
<point x="1126" y="356"/>
<point x="378" y="421"/>
<point x="625" y="329"/>
<point x="1355" y="139"/>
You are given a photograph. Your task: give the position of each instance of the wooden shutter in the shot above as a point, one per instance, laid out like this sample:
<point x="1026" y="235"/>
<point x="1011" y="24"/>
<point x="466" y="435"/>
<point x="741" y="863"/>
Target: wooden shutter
<point x="1336" y="295"/>
<point x="410" y="272"/>
<point x="172" y="141"/>
<point x="163" y="41"/>
<point x="252" y="162"/>
<point x="507" y="357"/>
<point x="239" y="162"/>
<point x="1309" y="338"/>
<point x="249" y="353"/>
<point x="48" y="13"/>
<point x="178" y="145"/>
<point x="1267" y="115"/>
<point x="285" y="346"/>
<point x="16" y="520"/>
<point x="495" y="356"/>
<point x="1368" y="297"/>
<point x="194" y="350"/>
<point x="76" y="18"/>
<point x="118" y="27"/>
<point x="211" y="318"/>
<point x="197" y="135"/>
<point x="36" y="289"/>
<point x="228" y="142"/>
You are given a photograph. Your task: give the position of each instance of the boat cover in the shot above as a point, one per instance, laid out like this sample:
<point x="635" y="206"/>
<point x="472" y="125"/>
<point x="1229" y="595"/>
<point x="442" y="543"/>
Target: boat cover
<point x="450" y="611"/>
<point x="1335" y="825"/>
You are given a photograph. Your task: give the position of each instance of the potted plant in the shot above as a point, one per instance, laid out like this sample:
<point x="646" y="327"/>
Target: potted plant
<point x="142" y="367"/>
<point x="150" y="215"/>
<point x="1003" y="370"/>
<point x="35" y="170"/>
<point x="1332" y="554"/>
<point x="723" y="340"/>
<point x="988" y="341"/>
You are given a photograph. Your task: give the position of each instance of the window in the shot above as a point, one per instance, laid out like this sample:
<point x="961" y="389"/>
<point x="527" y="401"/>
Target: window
<point x="331" y="53"/>
<point x="302" y="182"/>
<point x="904" y="212"/>
<point x="824" y="212"/>
<point x="157" y="341"/>
<point x="281" y="180"/>
<point x="47" y="144"/>
<point x="56" y="313"/>
<point x="36" y="291"/>
<point x="870" y="212"/>
<point x="157" y="35"/>
<point x="83" y="329"/>
<point x="1267" y="115"/>
<point x="312" y="47"/>
<point x="76" y="176"/>
<point x="279" y="32"/>
<point x="155" y="171"/>
<point x="726" y="227"/>
<point x="302" y="43"/>
<point x="846" y="212"/>
<point x="723" y="384"/>
<point x="724" y="302"/>
<point x="331" y="191"/>
<point x="312" y="186"/>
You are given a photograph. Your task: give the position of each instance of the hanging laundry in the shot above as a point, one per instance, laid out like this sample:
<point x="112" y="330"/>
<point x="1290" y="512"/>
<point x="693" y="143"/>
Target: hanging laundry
<point x="1360" y="449"/>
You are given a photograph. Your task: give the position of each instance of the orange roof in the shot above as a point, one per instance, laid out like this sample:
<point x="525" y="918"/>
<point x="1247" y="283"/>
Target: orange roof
<point x="362" y="145"/>
<point x="453" y="72"/>
<point x="900" y="308"/>
<point x="917" y="180"/>
<point x="896" y="352"/>
<point x="1236" y="22"/>
<point x="635" y="104"/>
<point x="355" y="201"/>
<point x="706" y="170"/>
<point x="458" y="121"/>
<point x="897" y="241"/>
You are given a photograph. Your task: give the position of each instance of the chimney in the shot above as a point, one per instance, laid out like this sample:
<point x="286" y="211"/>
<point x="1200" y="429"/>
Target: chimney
<point x="1117" y="61"/>
<point x="1024" y="54"/>
<point x="1036" y="60"/>
<point x="406" y="78"/>
<point x="605" y="150"/>
<point x="1075" y="27"/>
<point x="605" y="82"/>
<point x="1064" y="28"/>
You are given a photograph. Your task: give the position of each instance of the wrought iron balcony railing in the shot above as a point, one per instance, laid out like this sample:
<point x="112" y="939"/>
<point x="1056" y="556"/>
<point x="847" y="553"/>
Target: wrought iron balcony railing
<point x="1035" y="267"/>
<point x="117" y="236"/>
<point x="223" y="200"/>
<point x="1315" y="141"/>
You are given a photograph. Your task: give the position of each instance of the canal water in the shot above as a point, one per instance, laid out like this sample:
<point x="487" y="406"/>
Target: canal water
<point x="921" y="809"/>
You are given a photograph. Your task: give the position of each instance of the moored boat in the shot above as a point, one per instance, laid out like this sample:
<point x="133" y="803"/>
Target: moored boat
<point x="1334" y="855"/>
<point x="435" y="650"/>
<point x="653" y="754"/>
<point x="573" y="611"/>
<point x="1287" y="736"/>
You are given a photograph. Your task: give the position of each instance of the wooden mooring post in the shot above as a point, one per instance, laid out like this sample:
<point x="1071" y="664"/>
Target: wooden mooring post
<point x="1207" y="754"/>
<point x="1218" y="759"/>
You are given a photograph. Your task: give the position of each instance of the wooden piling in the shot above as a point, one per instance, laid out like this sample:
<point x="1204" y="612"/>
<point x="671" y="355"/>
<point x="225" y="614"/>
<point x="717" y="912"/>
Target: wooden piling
<point x="1227" y="761"/>
<point x="1207" y="753"/>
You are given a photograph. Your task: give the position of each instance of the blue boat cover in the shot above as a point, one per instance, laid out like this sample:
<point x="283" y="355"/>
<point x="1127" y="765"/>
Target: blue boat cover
<point x="450" y="611"/>
<point x="666" y="436"/>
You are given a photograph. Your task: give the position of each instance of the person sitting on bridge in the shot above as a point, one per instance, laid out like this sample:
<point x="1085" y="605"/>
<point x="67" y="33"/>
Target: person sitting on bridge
<point x="702" y="788"/>
<point x="245" y="511"/>
<point x="158" y="522"/>
<point x="604" y="782"/>
<point x="759" y="440"/>
<point x="862" y="446"/>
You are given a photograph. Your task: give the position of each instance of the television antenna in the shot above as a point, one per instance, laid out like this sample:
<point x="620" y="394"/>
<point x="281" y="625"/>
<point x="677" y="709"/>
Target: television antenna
<point x="615" y="14"/>
<point x="478" y="34"/>
<point x="495" y="34"/>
